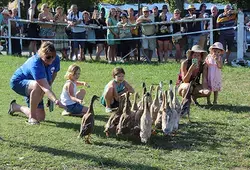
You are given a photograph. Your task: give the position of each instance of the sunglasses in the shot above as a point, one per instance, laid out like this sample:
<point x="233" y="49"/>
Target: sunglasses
<point x="176" y="13"/>
<point x="49" y="57"/>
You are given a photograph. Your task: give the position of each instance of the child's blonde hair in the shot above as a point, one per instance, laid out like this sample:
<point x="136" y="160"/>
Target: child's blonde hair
<point x="72" y="71"/>
<point x="117" y="70"/>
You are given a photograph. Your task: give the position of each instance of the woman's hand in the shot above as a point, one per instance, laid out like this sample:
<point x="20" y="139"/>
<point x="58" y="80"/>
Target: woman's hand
<point x="59" y="104"/>
<point x="193" y="67"/>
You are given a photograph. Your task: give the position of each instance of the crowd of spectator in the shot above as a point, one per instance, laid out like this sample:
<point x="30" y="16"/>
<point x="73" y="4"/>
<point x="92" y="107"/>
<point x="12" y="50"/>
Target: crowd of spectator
<point x="128" y="25"/>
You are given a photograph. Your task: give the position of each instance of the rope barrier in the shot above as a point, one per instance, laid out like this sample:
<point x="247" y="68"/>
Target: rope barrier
<point x="120" y="39"/>
<point x="108" y="27"/>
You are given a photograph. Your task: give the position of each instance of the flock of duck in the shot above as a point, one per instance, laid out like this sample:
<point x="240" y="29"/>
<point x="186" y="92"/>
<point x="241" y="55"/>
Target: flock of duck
<point x="139" y="119"/>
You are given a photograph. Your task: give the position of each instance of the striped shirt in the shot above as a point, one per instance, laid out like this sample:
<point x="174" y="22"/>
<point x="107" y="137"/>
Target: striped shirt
<point x="227" y="20"/>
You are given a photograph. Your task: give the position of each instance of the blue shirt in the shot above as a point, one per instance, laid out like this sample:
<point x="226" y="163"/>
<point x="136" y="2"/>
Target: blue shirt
<point x="34" y="69"/>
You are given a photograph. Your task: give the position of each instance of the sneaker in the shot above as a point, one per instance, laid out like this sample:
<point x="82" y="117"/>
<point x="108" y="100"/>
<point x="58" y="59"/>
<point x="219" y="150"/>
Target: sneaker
<point x="33" y="121"/>
<point x="10" y="111"/>
<point x="108" y="110"/>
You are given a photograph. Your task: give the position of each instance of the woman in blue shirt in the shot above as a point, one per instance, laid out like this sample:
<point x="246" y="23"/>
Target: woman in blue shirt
<point x="34" y="79"/>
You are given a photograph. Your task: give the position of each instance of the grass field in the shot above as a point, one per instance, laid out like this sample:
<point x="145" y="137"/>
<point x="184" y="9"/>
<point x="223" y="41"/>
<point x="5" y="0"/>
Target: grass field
<point x="217" y="138"/>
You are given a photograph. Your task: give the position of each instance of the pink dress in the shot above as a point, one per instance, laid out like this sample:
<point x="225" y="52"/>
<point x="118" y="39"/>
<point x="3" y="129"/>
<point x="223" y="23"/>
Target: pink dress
<point x="214" y="74"/>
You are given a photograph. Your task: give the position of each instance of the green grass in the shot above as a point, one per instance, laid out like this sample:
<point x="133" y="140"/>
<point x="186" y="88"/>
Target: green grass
<point x="217" y="138"/>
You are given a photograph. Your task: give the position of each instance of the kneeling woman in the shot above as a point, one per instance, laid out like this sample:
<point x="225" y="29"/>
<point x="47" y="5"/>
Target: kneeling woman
<point x="34" y="79"/>
<point x="191" y="70"/>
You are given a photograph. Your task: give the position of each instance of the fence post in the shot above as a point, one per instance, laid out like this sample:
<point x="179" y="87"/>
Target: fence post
<point x="9" y="37"/>
<point x="240" y="36"/>
<point x="211" y="36"/>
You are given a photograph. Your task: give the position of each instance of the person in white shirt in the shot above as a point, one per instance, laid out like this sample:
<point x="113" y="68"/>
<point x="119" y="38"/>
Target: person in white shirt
<point x="78" y="31"/>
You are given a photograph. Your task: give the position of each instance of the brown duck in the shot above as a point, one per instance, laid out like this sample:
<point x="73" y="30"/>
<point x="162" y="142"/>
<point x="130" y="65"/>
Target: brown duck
<point x="114" y="118"/>
<point x="87" y="124"/>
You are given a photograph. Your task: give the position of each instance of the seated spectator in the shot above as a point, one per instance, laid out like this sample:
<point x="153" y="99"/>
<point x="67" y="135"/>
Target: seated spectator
<point x="194" y="69"/>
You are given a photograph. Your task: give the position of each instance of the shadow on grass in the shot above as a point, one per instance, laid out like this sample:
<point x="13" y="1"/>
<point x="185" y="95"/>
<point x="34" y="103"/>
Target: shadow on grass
<point x="230" y="108"/>
<point x="100" y="160"/>
<point x="98" y="130"/>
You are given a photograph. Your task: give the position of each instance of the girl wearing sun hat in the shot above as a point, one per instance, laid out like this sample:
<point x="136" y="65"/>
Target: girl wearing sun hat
<point x="214" y="63"/>
<point x="193" y="69"/>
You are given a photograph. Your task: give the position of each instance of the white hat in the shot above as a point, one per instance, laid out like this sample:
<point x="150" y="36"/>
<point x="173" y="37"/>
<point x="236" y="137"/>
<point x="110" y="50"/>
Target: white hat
<point x="197" y="49"/>
<point x="217" y="45"/>
<point x="145" y="8"/>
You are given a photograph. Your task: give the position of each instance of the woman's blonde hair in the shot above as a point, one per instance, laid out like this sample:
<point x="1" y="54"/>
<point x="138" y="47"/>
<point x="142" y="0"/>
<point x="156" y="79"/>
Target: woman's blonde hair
<point x="46" y="47"/>
<point x="45" y="5"/>
<point x="72" y="71"/>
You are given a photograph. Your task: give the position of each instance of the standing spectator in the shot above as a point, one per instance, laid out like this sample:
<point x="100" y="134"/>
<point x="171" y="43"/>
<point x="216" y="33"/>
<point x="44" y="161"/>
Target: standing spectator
<point x="214" y="15"/>
<point x="148" y="44"/>
<point x="61" y="46"/>
<point x="204" y="25"/>
<point x="4" y="26"/>
<point x="99" y="33"/>
<point x="1" y="20"/>
<point x="46" y="30"/>
<point x="193" y="39"/>
<point x="156" y="14"/>
<point x="16" y="28"/>
<point x="90" y="34"/>
<point x="103" y="20"/>
<point x="75" y="21"/>
<point x="124" y="32"/>
<point x="227" y="19"/>
<point x="168" y="17"/>
<point x="177" y="29"/>
<point x="112" y="34"/>
<point x="135" y="30"/>
<point x="163" y="42"/>
<point x="33" y="28"/>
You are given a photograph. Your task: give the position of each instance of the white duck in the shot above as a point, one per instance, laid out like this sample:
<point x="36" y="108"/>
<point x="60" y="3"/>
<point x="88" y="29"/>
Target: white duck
<point x="155" y="106"/>
<point x="177" y="108"/>
<point x="146" y="121"/>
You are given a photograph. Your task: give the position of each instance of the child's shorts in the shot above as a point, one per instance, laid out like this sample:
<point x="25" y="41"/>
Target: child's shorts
<point x="115" y="103"/>
<point x="75" y="108"/>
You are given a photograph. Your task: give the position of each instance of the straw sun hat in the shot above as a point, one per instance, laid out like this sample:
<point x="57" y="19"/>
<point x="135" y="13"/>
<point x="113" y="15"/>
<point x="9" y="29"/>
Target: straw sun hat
<point x="217" y="45"/>
<point x="196" y="49"/>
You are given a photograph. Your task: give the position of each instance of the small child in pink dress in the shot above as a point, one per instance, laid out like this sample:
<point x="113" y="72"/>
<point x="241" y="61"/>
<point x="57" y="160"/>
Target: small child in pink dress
<point x="214" y="63"/>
